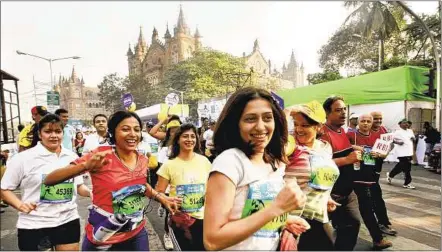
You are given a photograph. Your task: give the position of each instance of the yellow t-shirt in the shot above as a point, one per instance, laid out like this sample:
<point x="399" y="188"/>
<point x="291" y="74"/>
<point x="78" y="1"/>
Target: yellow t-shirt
<point x="188" y="179"/>
<point x="25" y="136"/>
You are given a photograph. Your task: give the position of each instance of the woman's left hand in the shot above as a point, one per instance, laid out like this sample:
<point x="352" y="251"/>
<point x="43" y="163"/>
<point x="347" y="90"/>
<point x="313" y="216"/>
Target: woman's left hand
<point x="331" y="205"/>
<point x="296" y="225"/>
<point x="172" y="204"/>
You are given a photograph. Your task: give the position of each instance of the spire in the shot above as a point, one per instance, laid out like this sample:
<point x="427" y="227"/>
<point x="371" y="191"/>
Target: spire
<point x="129" y="51"/>
<point x="302" y="65"/>
<point x="154" y="34"/>
<point x="197" y="33"/>
<point x="82" y="80"/>
<point x="256" y="46"/>
<point x="74" y="74"/>
<point x="141" y="40"/>
<point x="284" y="67"/>
<point x="292" y="57"/>
<point x="181" y="24"/>
<point x="167" y="35"/>
<point x="59" y="79"/>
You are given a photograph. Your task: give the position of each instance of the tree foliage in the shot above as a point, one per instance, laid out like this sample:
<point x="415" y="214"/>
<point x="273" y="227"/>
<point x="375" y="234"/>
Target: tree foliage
<point x="207" y="74"/>
<point x="328" y="75"/>
<point x="111" y="89"/>
<point x="355" y="45"/>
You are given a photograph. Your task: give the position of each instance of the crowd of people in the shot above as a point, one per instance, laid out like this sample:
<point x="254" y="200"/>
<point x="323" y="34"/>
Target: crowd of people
<point x="233" y="184"/>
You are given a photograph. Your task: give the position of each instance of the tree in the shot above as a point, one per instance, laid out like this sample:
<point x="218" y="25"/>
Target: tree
<point x="208" y="74"/>
<point x="111" y="90"/>
<point x="327" y="75"/>
<point x="374" y="20"/>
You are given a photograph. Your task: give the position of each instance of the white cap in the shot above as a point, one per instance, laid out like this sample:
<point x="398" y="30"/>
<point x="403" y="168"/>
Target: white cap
<point x="353" y="116"/>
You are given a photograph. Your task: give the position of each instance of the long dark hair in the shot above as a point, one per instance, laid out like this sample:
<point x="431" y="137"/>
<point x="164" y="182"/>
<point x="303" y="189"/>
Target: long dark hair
<point x="115" y="119"/>
<point x="175" y="140"/>
<point x="227" y="134"/>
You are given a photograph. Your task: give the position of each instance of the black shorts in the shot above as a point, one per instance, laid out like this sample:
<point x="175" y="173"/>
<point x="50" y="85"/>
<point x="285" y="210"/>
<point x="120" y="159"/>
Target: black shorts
<point x="44" y="238"/>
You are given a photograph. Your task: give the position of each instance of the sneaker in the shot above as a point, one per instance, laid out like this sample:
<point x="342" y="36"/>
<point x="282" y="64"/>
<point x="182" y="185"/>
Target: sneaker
<point x="409" y="186"/>
<point x="388" y="178"/>
<point x="382" y="244"/>
<point x="386" y="229"/>
<point x="161" y="211"/>
<point x="168" y="245"/>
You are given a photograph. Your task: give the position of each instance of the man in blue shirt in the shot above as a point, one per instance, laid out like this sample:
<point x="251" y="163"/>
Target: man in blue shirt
<point x="68" y="130"/>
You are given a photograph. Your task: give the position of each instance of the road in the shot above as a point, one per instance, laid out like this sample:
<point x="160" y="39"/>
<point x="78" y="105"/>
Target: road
<point x="415" y="214"/>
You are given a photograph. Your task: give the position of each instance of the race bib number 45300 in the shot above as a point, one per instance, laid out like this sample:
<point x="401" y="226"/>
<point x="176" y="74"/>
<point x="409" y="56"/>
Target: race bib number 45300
<point x="59" y="193"/>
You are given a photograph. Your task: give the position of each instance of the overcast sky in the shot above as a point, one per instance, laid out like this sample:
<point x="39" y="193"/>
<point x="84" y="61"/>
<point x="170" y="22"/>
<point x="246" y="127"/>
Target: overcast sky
<point x="100" y="33"/>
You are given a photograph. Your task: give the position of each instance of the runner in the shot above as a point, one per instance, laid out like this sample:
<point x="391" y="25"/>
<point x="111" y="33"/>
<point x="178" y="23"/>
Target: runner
<point x="312" y="166"/>
<point x="346" y="218"/>
<point x="118" y="174"/>
<point x="403" y="140"/>
<point x="28" y="137"/>
<point x="46" y="213"/>
<point x="377" y="129"/>
<point x="94" y="140"/>
<point x="246" y="200"/>
<point x="163" y="155"/>
<point x="365" y="178"/>
<point x="186" y="172"/>
<point x="156" y="132"/>
<point x="79" y="143"/>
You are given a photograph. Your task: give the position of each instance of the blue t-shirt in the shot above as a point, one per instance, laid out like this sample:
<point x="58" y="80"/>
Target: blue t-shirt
<point x="68" y="135"/>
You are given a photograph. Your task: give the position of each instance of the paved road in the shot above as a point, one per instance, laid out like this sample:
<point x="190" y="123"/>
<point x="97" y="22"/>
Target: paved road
<point x="415" y="214"/>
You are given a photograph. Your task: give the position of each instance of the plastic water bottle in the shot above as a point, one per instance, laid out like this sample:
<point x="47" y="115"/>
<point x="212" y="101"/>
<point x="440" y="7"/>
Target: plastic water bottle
<point x="357" y="166"/>
<point x="109" y="227"/>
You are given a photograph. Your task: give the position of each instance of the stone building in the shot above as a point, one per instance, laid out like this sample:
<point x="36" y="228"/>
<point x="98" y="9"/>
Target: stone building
<point x="151" y="61"/>
<point x="81" y="101"/>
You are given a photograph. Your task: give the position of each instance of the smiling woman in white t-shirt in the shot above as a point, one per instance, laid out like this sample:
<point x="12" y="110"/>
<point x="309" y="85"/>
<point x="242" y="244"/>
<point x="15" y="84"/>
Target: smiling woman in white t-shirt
<point x="246" y="200"/>
<point x="47" y="214"/>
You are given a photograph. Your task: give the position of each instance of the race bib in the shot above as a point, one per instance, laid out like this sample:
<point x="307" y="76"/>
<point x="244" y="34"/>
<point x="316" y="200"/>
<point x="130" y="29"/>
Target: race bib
<point x="154" y="147"/>
<point x="324" y="173"/>
<point x="59" y="193"/>
<point x="129" y="200"/>
<point x="261" y="194"/>
<point x="367" y="158"/>
<point x="193" y="197"/>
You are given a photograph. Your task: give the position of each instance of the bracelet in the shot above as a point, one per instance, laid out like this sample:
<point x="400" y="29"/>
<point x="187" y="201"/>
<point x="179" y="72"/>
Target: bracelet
<point x="156" y="196"/>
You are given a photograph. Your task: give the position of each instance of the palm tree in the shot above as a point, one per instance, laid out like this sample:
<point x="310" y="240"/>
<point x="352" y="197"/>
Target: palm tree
<point x="373" y="20"/>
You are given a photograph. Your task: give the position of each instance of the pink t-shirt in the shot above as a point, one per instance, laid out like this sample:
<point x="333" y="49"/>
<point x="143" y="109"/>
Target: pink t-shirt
<point x="110" y="179"/>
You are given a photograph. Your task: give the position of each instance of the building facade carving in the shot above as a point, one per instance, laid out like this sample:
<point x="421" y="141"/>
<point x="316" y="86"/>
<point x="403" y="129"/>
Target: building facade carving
<point x="151" y="61"/>
<point x="81" y="101"/>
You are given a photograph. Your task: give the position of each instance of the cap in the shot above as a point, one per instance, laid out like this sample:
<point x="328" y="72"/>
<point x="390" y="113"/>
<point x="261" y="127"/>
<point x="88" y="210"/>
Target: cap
<point x="173" y="123"/>
<point x="353" y="116"/>
<point x="404" y="120"/>
<point x="313" y="110"/>
<point x="41" y="110"/>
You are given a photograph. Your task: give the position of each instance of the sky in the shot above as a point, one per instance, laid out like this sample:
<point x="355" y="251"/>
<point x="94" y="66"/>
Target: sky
<point x="100" y="33"/>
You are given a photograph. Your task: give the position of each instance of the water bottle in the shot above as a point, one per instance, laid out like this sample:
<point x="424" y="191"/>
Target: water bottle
<point x="109" y="227"/>
<point x="357" y="166"/>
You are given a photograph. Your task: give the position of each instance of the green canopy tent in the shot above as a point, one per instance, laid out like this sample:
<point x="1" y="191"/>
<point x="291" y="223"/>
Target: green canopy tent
<point x="404" y="83"/>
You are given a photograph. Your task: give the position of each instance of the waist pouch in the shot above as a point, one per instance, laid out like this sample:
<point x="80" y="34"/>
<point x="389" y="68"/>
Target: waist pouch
<point x="106" y="224"/>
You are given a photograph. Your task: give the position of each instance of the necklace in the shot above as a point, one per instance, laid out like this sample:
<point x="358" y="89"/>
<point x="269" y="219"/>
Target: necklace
<point x="122" y="162"/>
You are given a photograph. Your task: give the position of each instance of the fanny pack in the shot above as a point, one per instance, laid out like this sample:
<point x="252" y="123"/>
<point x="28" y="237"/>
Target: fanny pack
<point x="106" y="224"/>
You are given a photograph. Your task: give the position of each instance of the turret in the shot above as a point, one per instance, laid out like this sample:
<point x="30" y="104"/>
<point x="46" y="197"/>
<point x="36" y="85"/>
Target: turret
<point x="129" y="52"/>
<point x="141" y="47"/>
<point x="167" y="35"/>
<point x="154" y="34"/>
<point x="181" y="26"/>
<point x="197" y="39"/>
<point x="73" y="75"/>
<point x="256" y="46"/>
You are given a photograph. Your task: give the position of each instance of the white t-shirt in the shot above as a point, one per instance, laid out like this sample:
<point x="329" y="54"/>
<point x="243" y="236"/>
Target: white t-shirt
<point x="208" y="136"/>
<point x="405" y="150"/>
<point x="234" y="164"/>
<point x="92" y="142"/>
<point x="163" y="155"/>
<point x="26" y="171"/>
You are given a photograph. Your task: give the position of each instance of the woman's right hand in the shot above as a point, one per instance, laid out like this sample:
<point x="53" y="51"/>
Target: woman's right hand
<point x="27" y="207"/>
<point x="97" y="161"/>
<point x="290" y="198"/>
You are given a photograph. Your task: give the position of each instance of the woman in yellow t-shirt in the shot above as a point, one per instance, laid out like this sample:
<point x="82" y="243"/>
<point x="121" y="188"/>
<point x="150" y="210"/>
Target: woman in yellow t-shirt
<point x="186" y="172"/>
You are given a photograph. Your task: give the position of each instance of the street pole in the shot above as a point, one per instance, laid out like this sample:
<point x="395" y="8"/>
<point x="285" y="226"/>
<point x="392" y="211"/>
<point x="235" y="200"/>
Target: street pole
<point x="50" y="66"/>
<point x="182" y="103"/>
<point x="436" y="57"/>
<point x="379" y="54"/>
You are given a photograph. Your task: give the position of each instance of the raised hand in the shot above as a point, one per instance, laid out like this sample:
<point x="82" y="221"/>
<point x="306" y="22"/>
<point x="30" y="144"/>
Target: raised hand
<point x="97" y="161"/>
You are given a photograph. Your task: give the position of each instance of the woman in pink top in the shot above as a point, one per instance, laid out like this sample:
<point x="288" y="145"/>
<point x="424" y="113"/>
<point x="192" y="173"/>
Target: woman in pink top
<point x="118" y="173"/>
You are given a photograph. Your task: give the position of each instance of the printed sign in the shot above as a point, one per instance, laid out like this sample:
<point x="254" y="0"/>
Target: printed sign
<point x="127" y="100"/>
<point x="172" y="99"/>
<point x="381" y="146"/>
<point x="53" y="98"/>
<point x="388" y="137"/>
